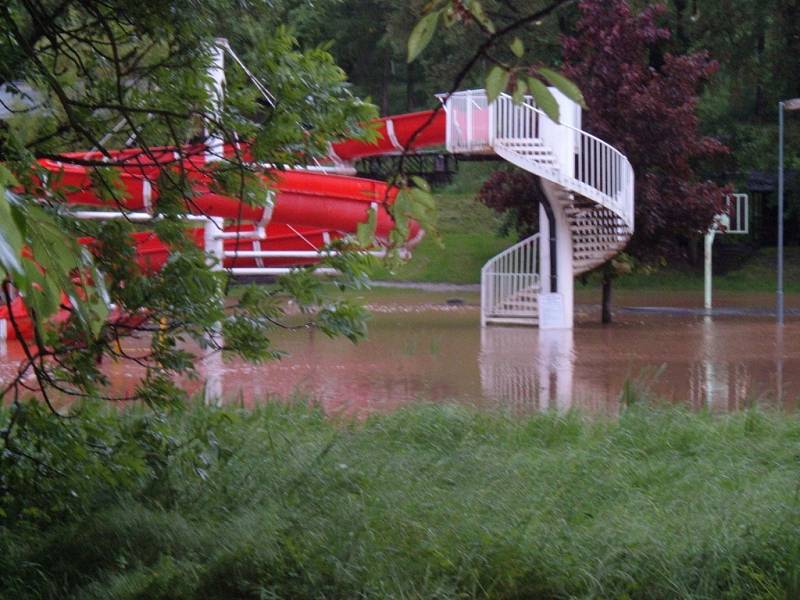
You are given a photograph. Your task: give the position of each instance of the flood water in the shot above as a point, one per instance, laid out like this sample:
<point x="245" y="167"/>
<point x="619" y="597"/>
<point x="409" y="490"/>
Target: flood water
<point x="422" y="349"/>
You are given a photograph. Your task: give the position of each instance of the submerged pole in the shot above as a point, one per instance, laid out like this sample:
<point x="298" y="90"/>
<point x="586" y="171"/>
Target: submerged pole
<point x="708" y="268"/>
<point x="214" y="226"/>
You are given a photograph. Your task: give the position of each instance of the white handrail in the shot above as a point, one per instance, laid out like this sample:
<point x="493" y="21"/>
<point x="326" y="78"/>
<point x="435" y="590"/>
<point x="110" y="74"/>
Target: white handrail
<point x="581" y="164"/>
<point x="598" y="166"/>
<point x="510" y="280"/>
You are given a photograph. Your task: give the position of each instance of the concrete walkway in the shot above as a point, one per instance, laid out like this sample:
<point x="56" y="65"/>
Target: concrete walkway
<point x="743" y="311"/>
<point x="429" y="287"/>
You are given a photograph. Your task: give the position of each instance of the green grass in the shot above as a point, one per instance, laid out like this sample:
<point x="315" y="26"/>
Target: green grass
<point x="468" y="239"/>
<point x="469" y="234"/>
<point x="757" y="274"/>
<point x="428" y="502"/>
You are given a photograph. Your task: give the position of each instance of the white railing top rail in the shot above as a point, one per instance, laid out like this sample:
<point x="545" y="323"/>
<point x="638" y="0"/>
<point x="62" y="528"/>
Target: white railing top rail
<point x="534" y="239"/>
<point x="528" y="103"/>
<point x="621" y="200"/>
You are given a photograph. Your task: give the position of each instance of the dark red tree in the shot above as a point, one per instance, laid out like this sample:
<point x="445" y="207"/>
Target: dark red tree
<point x="516" y="195"/>
<point x="643" y="101"/>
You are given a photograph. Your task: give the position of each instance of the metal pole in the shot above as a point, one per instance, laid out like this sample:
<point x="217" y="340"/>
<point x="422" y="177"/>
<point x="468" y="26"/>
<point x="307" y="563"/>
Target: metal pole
<point x="213" y="244"/>
<point x="708" y="268"/>
<point x="215" y="145"/>
<point x="779" y="293"/>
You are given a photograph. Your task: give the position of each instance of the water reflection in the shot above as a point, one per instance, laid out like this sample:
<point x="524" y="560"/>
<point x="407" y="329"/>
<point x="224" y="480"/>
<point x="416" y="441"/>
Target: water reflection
<point x="733" y="373"/>
<point x="524" y="370"/>
<point x="720" y="364"/>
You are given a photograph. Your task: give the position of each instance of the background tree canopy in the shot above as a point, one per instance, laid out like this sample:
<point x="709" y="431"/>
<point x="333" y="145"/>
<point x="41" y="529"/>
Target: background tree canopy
<point x="755" y="44"/>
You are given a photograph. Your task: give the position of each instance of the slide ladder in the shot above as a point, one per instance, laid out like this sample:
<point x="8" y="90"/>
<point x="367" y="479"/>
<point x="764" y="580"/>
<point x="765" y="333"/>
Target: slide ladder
<point x="589" y="188"/>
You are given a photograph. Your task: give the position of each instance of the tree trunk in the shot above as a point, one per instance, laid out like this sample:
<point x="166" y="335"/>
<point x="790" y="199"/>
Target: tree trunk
<point x="606" y="303"/>
<point x="385" y="79"/>
<point x="410" y="85"/>
<point x="680" y="24"/>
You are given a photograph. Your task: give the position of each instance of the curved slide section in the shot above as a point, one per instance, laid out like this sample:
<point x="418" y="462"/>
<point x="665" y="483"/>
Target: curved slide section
<point x="332" y="202"/>
<point x="413" y="131"/>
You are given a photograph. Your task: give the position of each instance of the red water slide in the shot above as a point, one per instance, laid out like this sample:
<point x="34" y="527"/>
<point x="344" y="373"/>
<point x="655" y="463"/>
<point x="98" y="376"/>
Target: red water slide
<point x="335" y="203"/>
<point x="412" y="131"/>
<point x="306" y="211"/>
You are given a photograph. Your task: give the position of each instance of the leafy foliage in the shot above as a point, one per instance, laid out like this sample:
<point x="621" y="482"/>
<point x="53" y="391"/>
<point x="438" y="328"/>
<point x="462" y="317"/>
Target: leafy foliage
<point x="106" y="74"/>
<point x="646" y="110"/>
<point x="503" y="72"/>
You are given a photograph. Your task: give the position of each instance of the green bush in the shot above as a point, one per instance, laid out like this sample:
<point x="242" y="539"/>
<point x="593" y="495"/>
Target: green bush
<point x="428" y="502"/>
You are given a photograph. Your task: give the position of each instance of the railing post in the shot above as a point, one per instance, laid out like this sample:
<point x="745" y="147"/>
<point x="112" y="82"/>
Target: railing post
<point x="215" y="147"/>
<point x="213" y="243"/>
<point x="470" y="132"/>
<point x="448" y="124"/>
<point x="492" y="110"/>
<point x="214" y="246"/>
<point x="484" y="292"/>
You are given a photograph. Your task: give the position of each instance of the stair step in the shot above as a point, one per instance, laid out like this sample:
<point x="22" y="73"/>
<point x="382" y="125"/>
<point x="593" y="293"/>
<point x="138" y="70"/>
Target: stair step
<point x="598" y="231"/>
<point x="522" y="321"/>
<point x="514" y="313"/>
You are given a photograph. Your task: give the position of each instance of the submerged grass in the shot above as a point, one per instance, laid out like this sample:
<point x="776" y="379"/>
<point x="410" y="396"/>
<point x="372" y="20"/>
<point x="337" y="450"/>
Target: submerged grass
<point x="428" y="502"/>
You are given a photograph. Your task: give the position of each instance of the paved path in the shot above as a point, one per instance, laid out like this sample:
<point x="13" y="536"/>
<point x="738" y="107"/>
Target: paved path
<point x="429" y="287"/>
<point x="714" y="312"/>
<point x="663" y="310"/>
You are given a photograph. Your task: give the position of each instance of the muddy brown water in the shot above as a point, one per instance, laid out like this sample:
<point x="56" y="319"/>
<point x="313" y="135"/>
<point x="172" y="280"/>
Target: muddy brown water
<point x="422" y="349"/>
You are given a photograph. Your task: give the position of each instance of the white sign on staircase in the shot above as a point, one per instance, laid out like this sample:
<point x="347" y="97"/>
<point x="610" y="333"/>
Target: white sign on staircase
<point x="551" y="311"/>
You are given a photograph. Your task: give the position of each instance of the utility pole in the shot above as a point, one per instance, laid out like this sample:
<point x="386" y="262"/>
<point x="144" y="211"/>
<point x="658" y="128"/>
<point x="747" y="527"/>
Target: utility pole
<point x="793" y="104"/>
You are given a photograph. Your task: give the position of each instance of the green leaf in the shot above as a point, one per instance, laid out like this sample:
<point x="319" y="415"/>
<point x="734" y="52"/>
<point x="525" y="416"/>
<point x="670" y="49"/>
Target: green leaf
<point x="543" y="98"/>
<point x="563" y="85"/>
<point x="365" y="232"/>
<point x="421" y="183"/>
<point x="423" y="204"/>
<point x="476" y="10"/>
<point x="517" y="47"/>
<point x="422" y="34"/>
<point x="496" y="82"/>
<point x="519" y="91"/>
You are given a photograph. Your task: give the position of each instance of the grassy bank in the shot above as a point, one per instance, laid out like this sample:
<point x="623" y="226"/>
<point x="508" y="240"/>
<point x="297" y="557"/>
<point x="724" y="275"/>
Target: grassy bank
<point x="429" y="502"/>
<point x="469" y="234"/>
<point x="470" y="237"/>
<point x="756" y="274"/>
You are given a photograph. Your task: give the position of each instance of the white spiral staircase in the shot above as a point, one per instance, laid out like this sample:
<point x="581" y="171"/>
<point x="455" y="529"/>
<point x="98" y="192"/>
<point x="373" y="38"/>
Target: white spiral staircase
<point x="589" y="187"/>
